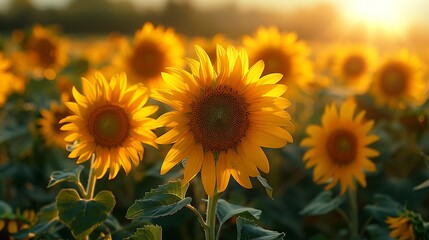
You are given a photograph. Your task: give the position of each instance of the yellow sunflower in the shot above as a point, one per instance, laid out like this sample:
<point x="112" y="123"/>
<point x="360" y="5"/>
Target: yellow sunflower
<point x="222" y="117"/>
<point x="18" y="222"/>
<point x="282" y="53"/>
<point x="352" y="66"/>
<point x="401" y="228"/>
<point x="338" y="149"/>
<point x="46" y="52"/>
<point x="9" y="81"/>
<point x="399" y="80"/>
<point x="110" y="120"/>
<point x="154" y="49"/>
<point x="50" y="128"/>
<point x="209" y="45"/>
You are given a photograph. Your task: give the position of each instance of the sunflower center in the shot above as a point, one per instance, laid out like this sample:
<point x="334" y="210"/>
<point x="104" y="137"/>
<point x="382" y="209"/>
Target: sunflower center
<point x="44" y="50"/>
<point x="342" y="146"/>
<point x="109" y="125"/>
<point x="275" y="61"/>
<point x="219" y="118"/>
<point x="394" y="79"/>
<point x="354" y="66"/>
<point x="147" y="59"/>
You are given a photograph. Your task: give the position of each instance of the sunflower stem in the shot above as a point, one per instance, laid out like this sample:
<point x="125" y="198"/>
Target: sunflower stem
<point x="354" y="217"/>
<point x="92" y="179"/>
<point x="198" y="214"/>
<point x="210" y="232"/>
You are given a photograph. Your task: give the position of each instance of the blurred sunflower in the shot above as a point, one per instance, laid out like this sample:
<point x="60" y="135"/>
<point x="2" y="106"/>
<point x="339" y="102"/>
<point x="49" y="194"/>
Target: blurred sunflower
<point x="46" y="52"/>
<point x="17" y="222"/>
<point x="338" y="149"/>
<point x="110" y="121"/>
<point x="401" y="228"/>
<point x="50" y="128"/>
<point x="9" y="82"/>
<point x="282" y="53"/>
<point x="399" y="80"/>
<point x="154" y="49"/>
<point x="352" y="66"/>
<point x="222" y="117"/>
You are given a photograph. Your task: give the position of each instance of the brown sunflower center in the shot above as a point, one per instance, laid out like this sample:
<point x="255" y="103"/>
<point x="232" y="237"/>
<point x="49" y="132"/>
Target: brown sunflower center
<point x="109" y="125"/>
<point x="44" y="50"/>
<point x="342" y="146"/>
<point x="394" y="79"/>
<point x="354" y="66"/>
<point x="275" y="61"/>
<point x="219" y="118"/>
<point x="147" y="59"/>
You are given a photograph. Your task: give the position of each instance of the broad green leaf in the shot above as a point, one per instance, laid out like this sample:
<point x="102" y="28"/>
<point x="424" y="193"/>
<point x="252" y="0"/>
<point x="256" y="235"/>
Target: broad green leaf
<point x="68" y="175"/>
<point x="5" y="210"/>
<point x="148" y="232"/>
<point x="268" y="188"/>
<point x="249" y="230"/>
<point x="82" y="216"/>
<point x="48" y="212"/>
<point x="322" y="204"/>
<point x="164" y="200"/>
<point x="227" y="210"/>
<point x="384" y="207"/>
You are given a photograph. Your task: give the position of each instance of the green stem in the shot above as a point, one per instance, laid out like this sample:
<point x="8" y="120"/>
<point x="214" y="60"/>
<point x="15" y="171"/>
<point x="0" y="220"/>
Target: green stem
<point x="92" y="179"/>
<point x="354" y="217"/>
<point x="210" y="232"/>
<point x="198" y="214"/>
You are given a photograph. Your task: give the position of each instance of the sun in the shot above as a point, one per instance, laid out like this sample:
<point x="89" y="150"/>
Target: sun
<point x="384" y="14"/>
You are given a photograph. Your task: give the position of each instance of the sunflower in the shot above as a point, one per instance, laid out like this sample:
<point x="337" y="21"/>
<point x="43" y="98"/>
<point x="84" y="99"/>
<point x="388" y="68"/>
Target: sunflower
<point x="50" y="128"/>
<point x="110" y="120"/>
<point x="399" y="80"/>
<point x="282" y="53"/>
<point x="352" y="66"/>
<point x="154" y="49"/>
<point x="338" y="148"/>
<point x="222" y="117"/>
<point x="9" y="81"/>
<point x="46" y="52"/>
<point x="401" y="228"/>
<point x="17" y="222"/>
<point x="209" y="45"/>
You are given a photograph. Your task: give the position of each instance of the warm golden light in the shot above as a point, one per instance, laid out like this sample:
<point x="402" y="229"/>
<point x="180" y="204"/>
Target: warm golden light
<point x="380" y="13"/>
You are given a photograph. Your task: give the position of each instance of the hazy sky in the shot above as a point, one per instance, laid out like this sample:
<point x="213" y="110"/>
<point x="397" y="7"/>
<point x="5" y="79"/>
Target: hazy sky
<point x="396" y="11"/>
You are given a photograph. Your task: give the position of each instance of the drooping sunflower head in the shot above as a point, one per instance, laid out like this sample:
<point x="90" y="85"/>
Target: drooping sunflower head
<point x="339" y="149"/>
<point x="50" y="126"/>
<point x="282" y="53"/>
<point x="353" y="65"/>
<point x="154" y="49"/>
<point x="401" y="227"/>
<point x="399" y="81"/>
<point x="109" y="120"/>
<point x="222" y="117"/>
<point x="9" y="81"/>
<point x="46" y="52"/>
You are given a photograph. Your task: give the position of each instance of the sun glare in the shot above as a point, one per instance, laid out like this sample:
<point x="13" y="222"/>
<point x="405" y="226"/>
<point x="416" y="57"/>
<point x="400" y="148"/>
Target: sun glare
<point x="378" y="13"/>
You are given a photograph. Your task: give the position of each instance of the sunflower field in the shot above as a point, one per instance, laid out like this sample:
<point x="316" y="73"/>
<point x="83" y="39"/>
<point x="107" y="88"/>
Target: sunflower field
<point x="268" y="130"/>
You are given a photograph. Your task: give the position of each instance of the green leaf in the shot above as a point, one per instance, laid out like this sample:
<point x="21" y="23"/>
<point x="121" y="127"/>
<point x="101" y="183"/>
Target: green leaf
<point x="5" y="210"/>
<point x="164" y="200"/>
<point x="249" y="230"/>
<point x="67" y="175"/>
<point x="384" y="207"/>
<point x="227" y="210"/>
<point x="82" y="216"/>
<point x="148" y="232"/>
<point x="48" y="212"/>
<point x="377" y="232"/>
<point x="268" y="188"/>
<point x="322" y="204"/>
